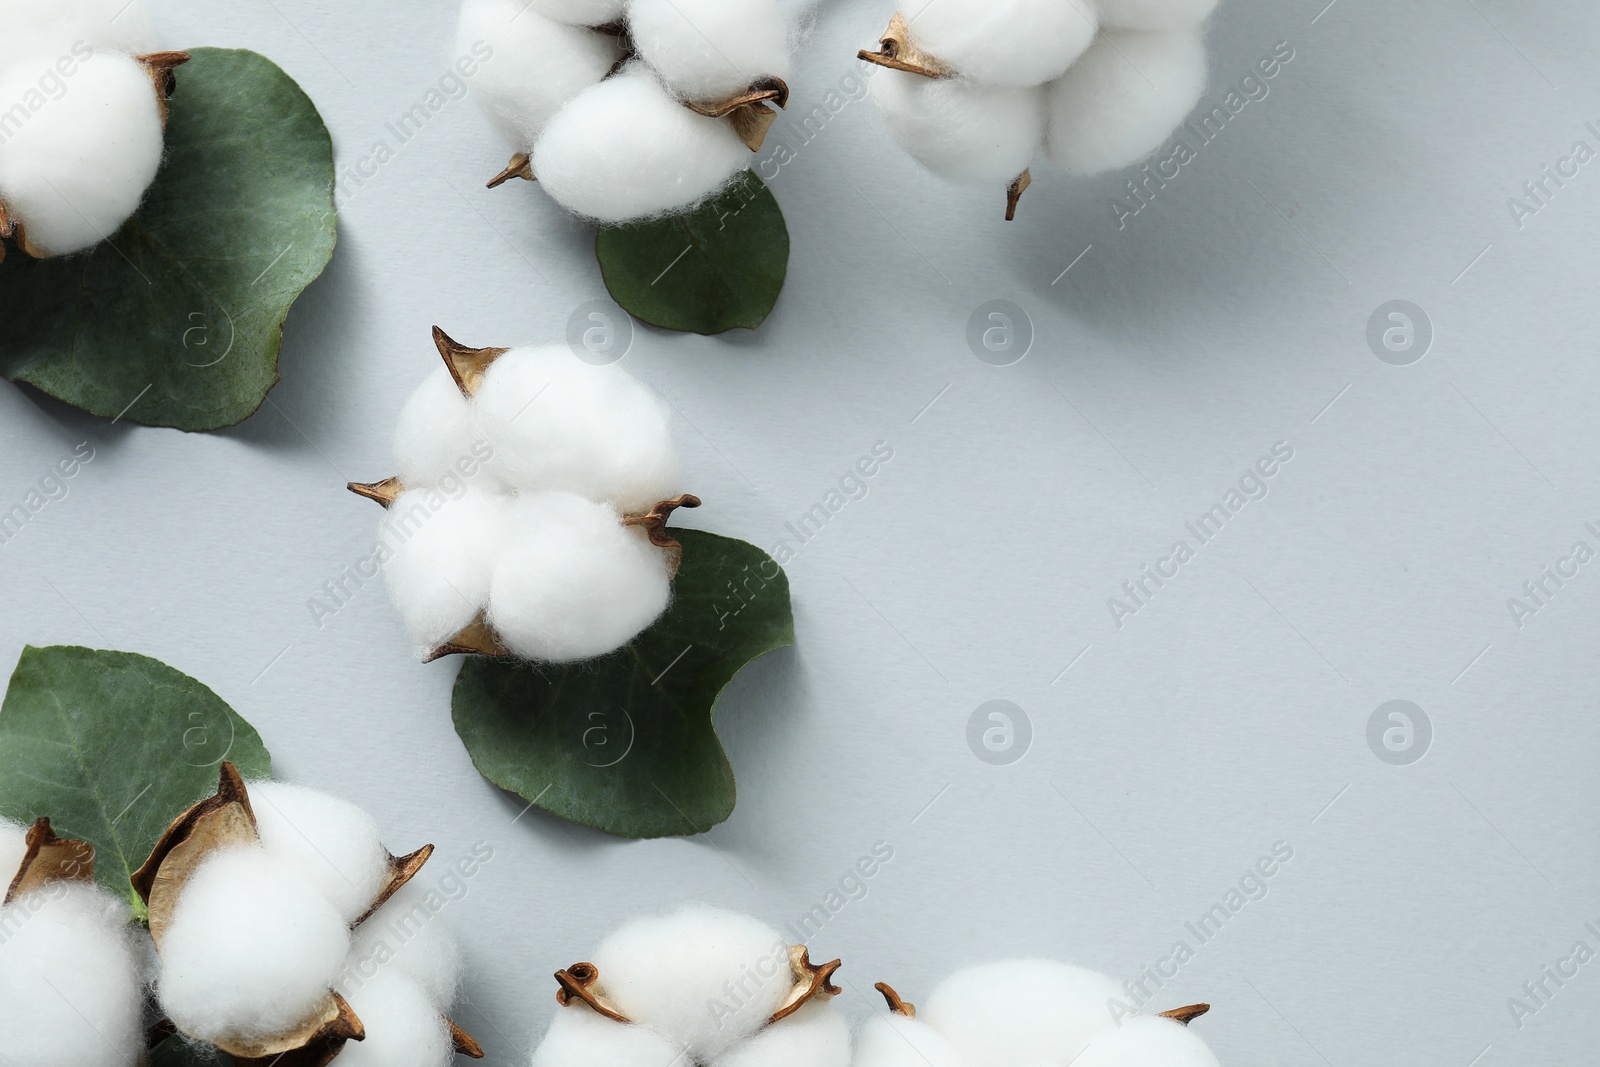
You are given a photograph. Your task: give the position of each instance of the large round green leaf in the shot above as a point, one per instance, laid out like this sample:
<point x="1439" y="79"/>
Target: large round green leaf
<point x="626" y="743"/>
<point x="708" y="271"/>
<point x="176" y="320"/>
<point x="112" y="746"/>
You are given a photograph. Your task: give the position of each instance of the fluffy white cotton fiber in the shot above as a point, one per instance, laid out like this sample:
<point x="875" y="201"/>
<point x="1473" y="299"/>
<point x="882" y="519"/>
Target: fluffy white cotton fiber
<point x="436" y="434"/>
<point x="13" y="847"/>
<point x="252" y="949"/>
<point x="443" y="554"/>
<point x="406" y="935"/>
<point x="333" y="843"/>
<point x="579" y="12"/>
<point x="557" y="422"/>
<point x="1155" y="14"/>
<point x="625" y="149"/>
<point x="574" y="583"/>
<point x="75" y="171"/>
<point x="579" y="1037"/>
<point x="710" y="50"/>
<point x="814" y="1036"/>
<point x="1148" y="1041"/>
<point x="38" y="34"/>
<point x="1020" y="1012"/>
<point x="70" y="989"/>
<point x="667" y="971"/>
<point x="1119" y="102"/>
<point x="960" y="129"/>
<point x="897" y="1041"/>
<point x="403" y="1028"/>
<point x="1003" y="42"/>
<point x="536" y="64"/>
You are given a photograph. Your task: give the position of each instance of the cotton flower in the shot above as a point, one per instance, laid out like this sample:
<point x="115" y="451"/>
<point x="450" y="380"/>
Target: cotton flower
<point x="1028" y="1013"/>
<point x="71" y="993"/>
<point x="977" y="88"/>
<point x="281" y="922"/>
<point x="629" y="110"/>
<point x="703" y="986"/>
<point x="529" y="515"/>
<point x="84" y="95"/>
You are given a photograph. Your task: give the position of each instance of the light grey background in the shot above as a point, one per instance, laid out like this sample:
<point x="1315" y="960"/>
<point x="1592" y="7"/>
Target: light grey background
<point x="1229" y="714"/>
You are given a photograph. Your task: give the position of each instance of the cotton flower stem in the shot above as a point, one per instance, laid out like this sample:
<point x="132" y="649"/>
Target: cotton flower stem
<point x="896" y="1005"/>
<point x="1014" y="193"/>
<point x="50" y="859"/>
<point x="1187" y="1014"/>
<point x="898" y="53"/>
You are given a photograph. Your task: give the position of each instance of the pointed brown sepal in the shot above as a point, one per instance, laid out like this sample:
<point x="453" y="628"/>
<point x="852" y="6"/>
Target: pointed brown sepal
<point x="383" y="492"/>
<point x="1186" y="1014"/>
<point x="896" y="1005"/>
<point x="401" y="870"/>
<point x="751" y="112"/>
<point x="521" y="166"/>
<point x="463" y="1041"/>
<point x="477" y="638"/>
<point x="810" y="980"/>
<point x="581" y="982"/>
<point x="50" y="859"/>
<point x="160" y="67"/>
<point x="219" y="821"/>
<point x="314" y="1044"/>
<point x="654" y="523"/>
<point x="898" y="53"/>
<point x="1014" y="193"/>
<point x="466" y="365"/>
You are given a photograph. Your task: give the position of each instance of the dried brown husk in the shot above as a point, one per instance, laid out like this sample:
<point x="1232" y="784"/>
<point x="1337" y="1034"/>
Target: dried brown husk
<point x="896" y="52"/>
<point x="581" y="983"/>
<point x="50" y="859"/>
<point x="160" y="66"/>
<point x="226" y="820"/>
<point x="467" y="367"/>
<point x="1185" y="1015"/>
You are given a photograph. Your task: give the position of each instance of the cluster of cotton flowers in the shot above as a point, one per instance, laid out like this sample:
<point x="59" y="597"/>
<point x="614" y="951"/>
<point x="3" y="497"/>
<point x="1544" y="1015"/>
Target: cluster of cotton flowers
<point x="1028" y="1013"/>
<point x="701" y="986"/>
<point x="83" y="91"/>
<point x="977" y="88"/>
<point x="625" y="109"/>
<point x="528" y="517"/>
<point x="281" y="923"/>
<point x="71" y="990"/>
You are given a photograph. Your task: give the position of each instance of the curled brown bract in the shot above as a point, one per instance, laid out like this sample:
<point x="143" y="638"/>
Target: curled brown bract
<point x="896" y="1005"/>
<point x="519" y="167"/>
<point x="811" y="980"/>
<point x="1187" y="1014"/>
<point x="654" y="523"/>
<point x="160" y="66"/>
<point x="581" y="982"/>
<point x="50" y="859"/>
<point x="383" y="492"/>
<point x="752" y="112"/>
<point x="1014" y="193"/>
<point x="466" y="365"/>
<point x="898" y="53"/>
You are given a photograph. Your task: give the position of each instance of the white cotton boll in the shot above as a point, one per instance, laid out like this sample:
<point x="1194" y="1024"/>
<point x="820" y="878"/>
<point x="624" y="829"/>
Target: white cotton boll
<point x="536" y="65"/>
<point x="674" y="973"/>
<point x="1003" y="42"/>
<point x="403" y="1028"/>
<point x="1155" y="14"/>
<point x="75" y="171"/>
<point x="710" y="50"/>
<point x="1017" y="1012"/>
<point x="252" y="949"/>
<point x="1124" y="98"/>
<point x="573" y="582"/>
<point x="442" y="552"/>
<point x="39" y="33"/>
<point x="13" y="849"/>
<point x="581" y="1037"/>
<point x="1148" y="1041"/>
<point x="70" y="994"/>
<point x="579" y="12"/>
<point x="557" y="422"/>
<point x="959" y="129"/>
<point x="408" y="936"/>
<point x="814" y="1036"/>
<point x="625" y="149"/>
<point x="436" y="437"/>
<point x="897" y="1041"/>
<point x="331" y="841"/>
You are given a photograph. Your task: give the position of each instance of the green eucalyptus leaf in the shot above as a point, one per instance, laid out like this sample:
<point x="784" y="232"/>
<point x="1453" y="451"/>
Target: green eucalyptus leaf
<point x="113" y="746"/>
<point x="176" y="320"/>
<point x="626" y="743"/>
<point x="708" y="271"/>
